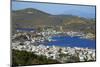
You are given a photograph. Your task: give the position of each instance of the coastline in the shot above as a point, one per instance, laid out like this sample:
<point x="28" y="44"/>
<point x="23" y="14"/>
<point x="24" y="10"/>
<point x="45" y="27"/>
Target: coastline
<point x="33" y="42"/>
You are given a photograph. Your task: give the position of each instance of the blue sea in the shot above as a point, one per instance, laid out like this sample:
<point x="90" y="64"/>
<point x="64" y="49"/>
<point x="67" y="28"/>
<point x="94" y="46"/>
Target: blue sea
<point x="67" y="41"/>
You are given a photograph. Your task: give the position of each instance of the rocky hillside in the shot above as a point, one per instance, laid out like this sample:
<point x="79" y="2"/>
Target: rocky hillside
<point x="30" y="17"/>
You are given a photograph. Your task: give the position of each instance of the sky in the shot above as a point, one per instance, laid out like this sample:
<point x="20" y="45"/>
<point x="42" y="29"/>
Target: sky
<point x="57" y="9"/>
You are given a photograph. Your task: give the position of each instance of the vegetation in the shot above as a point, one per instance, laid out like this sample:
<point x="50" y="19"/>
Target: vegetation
<point x="21" y="58"/>
<point x="69" y="58"/>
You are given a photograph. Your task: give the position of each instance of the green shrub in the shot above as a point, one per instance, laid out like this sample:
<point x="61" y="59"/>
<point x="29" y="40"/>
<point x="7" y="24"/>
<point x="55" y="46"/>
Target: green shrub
<point x="21" y="58"/>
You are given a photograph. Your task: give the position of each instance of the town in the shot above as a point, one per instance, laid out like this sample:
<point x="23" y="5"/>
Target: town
<point x="35" y="42"/>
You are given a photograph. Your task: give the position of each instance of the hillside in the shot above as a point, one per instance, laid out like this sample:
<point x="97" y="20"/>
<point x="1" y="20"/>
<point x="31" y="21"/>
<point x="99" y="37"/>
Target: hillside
<point x="23" y="58"/>
<point x="28" y="18"/>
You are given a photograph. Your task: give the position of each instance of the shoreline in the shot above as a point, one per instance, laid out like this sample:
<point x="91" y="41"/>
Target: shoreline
<point x="32" y="42"/>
